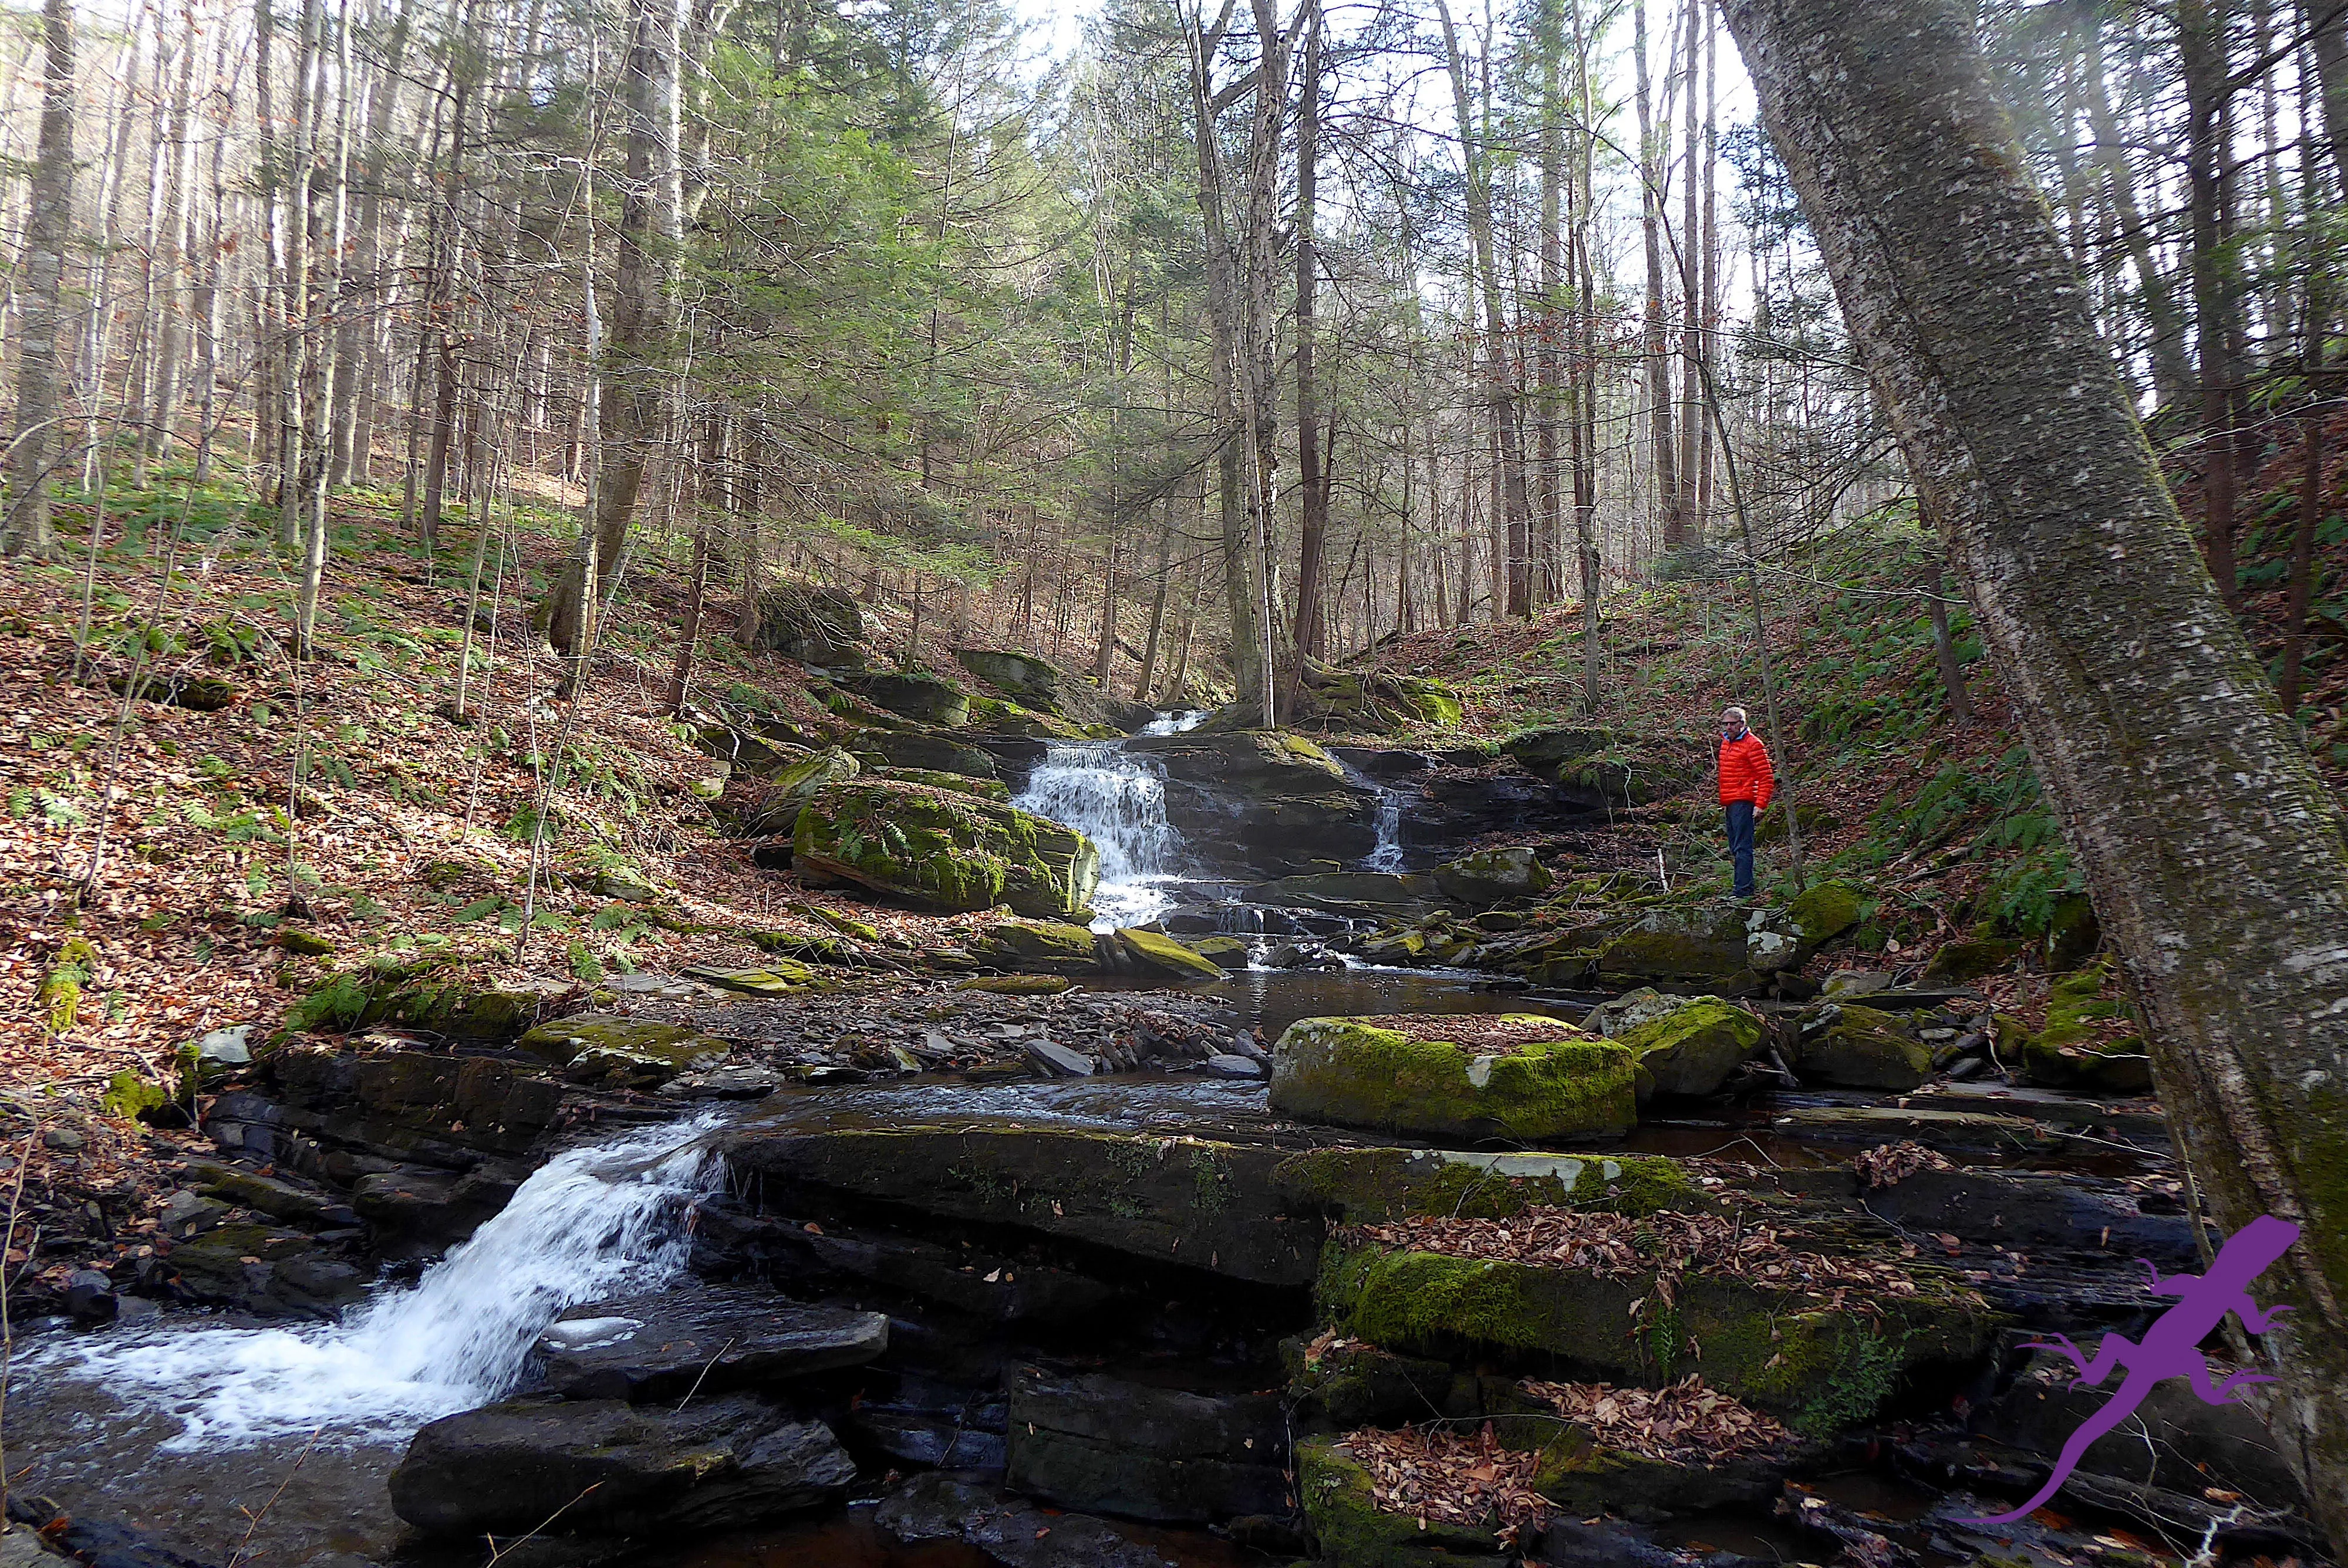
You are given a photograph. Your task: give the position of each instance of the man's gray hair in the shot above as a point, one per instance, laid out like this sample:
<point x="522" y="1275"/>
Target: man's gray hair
<point x="1735" y="713"/>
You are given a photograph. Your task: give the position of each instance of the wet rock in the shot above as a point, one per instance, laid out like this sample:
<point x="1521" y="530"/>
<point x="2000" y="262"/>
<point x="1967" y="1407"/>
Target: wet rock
<point x="1585" y="1477"/>
<point x="934" y="1441"/>
<point x="1155" y="951"/>
<point x="89" y="1297"/>
<point x="984" y="789"/>
<point x="2072" y="1051"/>
<point x="1466" y="1075"/>
<point x="1278" y="801"/>
<point x="621" y="1051"/>
<point x="946" y="850"/>
<point x="926" y="750"/>
<point x="737" y="1082"/>
<point x="1004" y="720"/>
<point x="718" y="1463"/>
<point x="717" y="1339"/>
<point x="416" y="1211"/>
<point x="1235" y="1067"/>
<point x="1494" y="877"/>
<point x="1690" y="1051"/>
<point x="1227" y="953"/>
<point x="1859" y="1048"/>
<point x="1014" y="1534"/>
<point x="1161" y="1454"/>
<point x="1611" y="1544"/>
<point x="270" y="1272"/>
<point x="44" y="1534"/>
<point x="1017" y="984"/>
<point x="1059" y="1061"/>
<point x="278" y="1198"/>
<point x="188" y="1214"/>
<point x="984" y="1285"/>
<point x="1348" y="892"/>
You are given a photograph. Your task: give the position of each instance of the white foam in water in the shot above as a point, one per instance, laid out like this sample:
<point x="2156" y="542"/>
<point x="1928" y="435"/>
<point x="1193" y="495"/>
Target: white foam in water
<point x="591" y="1222"/>
<point x="1177" y="723"/>
<point x="1119" y="803"/>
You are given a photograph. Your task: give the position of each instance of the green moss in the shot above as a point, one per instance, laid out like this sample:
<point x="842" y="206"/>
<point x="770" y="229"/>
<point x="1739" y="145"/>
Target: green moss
<point x="1158" y="951"/>
<point x="1365" y="1185"/>
<point x="129" y="1095"/>
<point x="1863" y="1048"/>
<point x="984" y="789"/>
<point x="1692" y="1049"/>
<point x="61" y="987"/>
<point x="946" y="849"/>
<point x="1352" y="1073"/>
<point x="2067" y="1054"/>
<point x="1044" y="946"/>
<point x="1017" y="985"/>
<point x="338" y="1006"/>
<point x="1824" y="911"/>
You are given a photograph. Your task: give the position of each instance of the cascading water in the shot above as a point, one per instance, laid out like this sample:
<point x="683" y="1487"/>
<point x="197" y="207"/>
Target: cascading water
<point x="591" y="1222"/>
<point x="1177" y="724"/>
<point x="1386" y="854"/>
<point x="1119" y="803"/>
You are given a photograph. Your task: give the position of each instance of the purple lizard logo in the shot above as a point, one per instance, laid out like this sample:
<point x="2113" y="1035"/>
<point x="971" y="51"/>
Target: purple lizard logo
<point x="2172" y="1345"/>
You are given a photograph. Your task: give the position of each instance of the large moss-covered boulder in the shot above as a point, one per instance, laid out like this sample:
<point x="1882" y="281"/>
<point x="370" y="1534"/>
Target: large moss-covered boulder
<point x="2078" y="1049"/>
<point x="913" y="694"/>
<point x="997" y="717"/>
<point x="1040" y="686"/>
<point x="1702" y="946"/>
<point x="984" y="789"/>
<point x="1377" y="700"/>
<point x="946" y="850"/>
<point x="1036" y="947"/>
<point x="755" y="810"/>
<point x="1464" y="1075"/>
<point x="1692" y="1049"/>
<point x="816" y="625"/>
<point x="1823" y="911"/>
<point x="1494" y="877"/>
<point x="1545" y="751"/>
<point x="925" y="748"/>
<point x="1861" y="1048"/>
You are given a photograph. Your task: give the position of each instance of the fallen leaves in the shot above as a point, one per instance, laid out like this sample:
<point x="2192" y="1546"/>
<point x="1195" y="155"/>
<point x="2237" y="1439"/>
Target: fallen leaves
<point x="1458" y="1478"/>
<point x="1886" y="1164"/>
<point x="1685" y="1421"/>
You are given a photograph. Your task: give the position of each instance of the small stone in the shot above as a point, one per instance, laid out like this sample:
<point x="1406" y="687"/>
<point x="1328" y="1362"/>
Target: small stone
<point x="89" y="1297"/>
<point x="1058" y="1060"/>
<point x="229" y="1047"/>
<point x="1227" y="1066"/>
<point x="63" y="1138"/>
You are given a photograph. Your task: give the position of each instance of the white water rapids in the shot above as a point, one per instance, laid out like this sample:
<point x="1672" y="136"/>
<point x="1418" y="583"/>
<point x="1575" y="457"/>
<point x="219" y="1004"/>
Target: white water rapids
<point x="602" y="1221"/>
<point x="1119" y="803"/>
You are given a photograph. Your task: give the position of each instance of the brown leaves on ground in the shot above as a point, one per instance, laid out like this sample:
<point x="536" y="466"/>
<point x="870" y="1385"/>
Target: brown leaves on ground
<point x="1887" y="1163"/>
<point x="1456" y="1478"/>
<point x="1614" y="1247"/>
<point x="1686" y="1422"/>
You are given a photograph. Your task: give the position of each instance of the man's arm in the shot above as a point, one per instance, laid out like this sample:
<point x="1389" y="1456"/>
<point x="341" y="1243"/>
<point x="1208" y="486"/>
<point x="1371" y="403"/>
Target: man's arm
<point x="1765" y="780"/>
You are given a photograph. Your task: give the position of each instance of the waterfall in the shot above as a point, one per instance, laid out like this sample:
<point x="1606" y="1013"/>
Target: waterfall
<point x="595" y="1221"/>
<point x="1179" y="722"/>
<point x="1118" y="802"/>
<point x="1386" y="854"/>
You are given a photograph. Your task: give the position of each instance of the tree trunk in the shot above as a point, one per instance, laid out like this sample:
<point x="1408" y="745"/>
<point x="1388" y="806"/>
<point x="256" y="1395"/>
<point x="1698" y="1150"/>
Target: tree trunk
<point x="1652" y="162"/>
<point x="26" y="530"/>
<point x="2215" y="853"/>
<point x="1313" y="521"/>
<point x="2201" y="37"/>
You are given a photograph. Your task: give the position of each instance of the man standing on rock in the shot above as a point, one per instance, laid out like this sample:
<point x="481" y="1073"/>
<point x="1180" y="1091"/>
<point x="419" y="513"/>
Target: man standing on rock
<point x="1746" y="784"/>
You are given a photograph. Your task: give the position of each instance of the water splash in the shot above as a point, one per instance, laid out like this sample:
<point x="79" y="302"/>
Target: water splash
<point x="1180" y="721"/>
<point x="1118" y="802"/>
<point x="1386" y="855"/>
<point x="594" y="1222"/>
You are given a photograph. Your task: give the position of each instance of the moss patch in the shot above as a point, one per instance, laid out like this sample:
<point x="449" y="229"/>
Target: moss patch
<point x="1692" y="1049"/>
<point x="1862" y="1047"/>
<point x="2079" y="1048"/>
<point x="1362" y="1185"/>
<point x="1475" y="1076"/>
<point x="946" y="849"/>
<point x="1353" y="1530"/>
<point x="1156" y="950"/>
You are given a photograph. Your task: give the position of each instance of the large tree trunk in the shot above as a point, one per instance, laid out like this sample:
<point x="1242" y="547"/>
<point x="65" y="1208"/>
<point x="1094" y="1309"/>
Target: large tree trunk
<point x="25" y="527"/>
<point x="1313" y="524"/>
<point x="2214" y="853"/>
<point x="1652" y="162"/>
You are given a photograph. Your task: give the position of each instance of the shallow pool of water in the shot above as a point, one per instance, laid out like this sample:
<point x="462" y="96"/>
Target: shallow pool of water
<point x="1271" y="999"/>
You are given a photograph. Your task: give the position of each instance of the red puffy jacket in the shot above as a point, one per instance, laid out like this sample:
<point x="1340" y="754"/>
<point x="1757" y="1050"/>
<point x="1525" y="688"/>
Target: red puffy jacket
<point x="1744" y="772"/>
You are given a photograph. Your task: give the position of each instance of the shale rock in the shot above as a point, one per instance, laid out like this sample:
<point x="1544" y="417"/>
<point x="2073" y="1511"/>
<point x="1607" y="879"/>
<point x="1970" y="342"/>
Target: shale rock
<point x="1690" y="1051"/>
<point x="946" y="850"/>
<point x="716" y="1464"/>
<point x="1494" y="877"/>
<point x="1466" y="1075"/>
<point x="1012" y="1534"/>
<point x="621" y="1051"/>
<point x="717" y="1339"/>
<point x="917" y="696"/>
<point x="1860" y="1048"/>
<point x="1352" y="1528"/>
<point x="1163" y="1454"/>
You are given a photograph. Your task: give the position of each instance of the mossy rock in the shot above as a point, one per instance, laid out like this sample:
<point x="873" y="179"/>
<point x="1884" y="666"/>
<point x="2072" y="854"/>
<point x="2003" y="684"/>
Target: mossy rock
<point x="1511" y="1075"/>
<point x="1818" y="1366"/>
<point x="640" y="1054"/>
<point x="1690" y="1051"/>
<point x="997" y="717"/>
<point x="132" y="1096"/>
<point x="1037" y="947"/>
<point x="1156" y="950"/>
<point x="1971" y="959"/>
<point x="1353" y="1532"/>
<point x="1824" y="911"/>
<point x="925" y="750"/>
<point x="1861" y="1048"/>
<point x="2067" y="1054"/>
<point x="1702" y="946"/>
<point x="946" y="850"/>
<point x="984" y="789"/>
<point x="1494" y="877"/>
<point x="1543" y="751"/>
<point x="1813" y="816"/>
<point x="307" y="944"/>
<point x="1017" y="984"/>
<point x="914" y="695"/>
<point x="846" y="925"/>
<point x="780" y="978"/>
<point x="1375" y="700"/>
<point x="758" y="811"/>
<point x="1365" y="1185"/>
<point x="1585" y="1477"/>
<point x="1226" y="953"/>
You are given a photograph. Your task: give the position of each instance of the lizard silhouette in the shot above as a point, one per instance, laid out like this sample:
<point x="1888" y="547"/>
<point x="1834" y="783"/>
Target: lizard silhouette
<point x="2172" y="1345"/>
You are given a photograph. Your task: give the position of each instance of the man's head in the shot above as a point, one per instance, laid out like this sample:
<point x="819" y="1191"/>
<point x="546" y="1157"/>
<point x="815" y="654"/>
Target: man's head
<point x="1732" y="722"/>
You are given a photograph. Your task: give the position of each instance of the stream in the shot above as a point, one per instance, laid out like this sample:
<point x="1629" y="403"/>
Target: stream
<point x="248" y="1443"/>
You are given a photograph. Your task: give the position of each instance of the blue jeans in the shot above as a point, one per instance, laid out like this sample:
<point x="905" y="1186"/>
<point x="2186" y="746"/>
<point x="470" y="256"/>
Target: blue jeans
<point x="1740" y="843"/>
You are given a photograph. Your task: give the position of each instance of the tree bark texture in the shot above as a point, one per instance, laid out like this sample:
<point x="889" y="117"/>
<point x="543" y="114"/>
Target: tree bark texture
<point x="26" y="529"/>
<point x="2214" y="853"/>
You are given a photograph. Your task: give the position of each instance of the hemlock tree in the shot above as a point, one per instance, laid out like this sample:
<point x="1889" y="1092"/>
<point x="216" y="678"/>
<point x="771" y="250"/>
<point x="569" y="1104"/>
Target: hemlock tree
<point x="2214" y="852"/>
